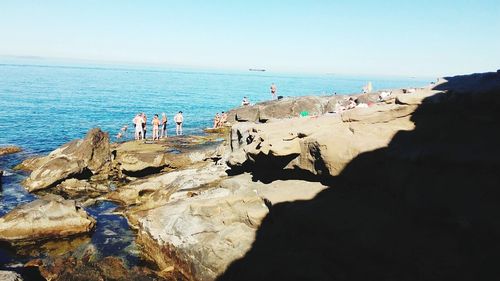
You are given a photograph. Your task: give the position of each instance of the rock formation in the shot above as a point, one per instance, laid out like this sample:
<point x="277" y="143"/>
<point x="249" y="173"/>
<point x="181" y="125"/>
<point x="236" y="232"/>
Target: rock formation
<point x="402" y="190"/>
<point x="48" y="217"/>
<point x="202" y="234"/>
<point x="9" y="150"/>
<point x="422" y="206"/>
<point x="77" y="159"/>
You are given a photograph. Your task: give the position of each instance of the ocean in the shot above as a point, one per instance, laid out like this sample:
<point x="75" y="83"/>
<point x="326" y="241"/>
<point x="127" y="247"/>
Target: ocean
<point x="46" y="104"/>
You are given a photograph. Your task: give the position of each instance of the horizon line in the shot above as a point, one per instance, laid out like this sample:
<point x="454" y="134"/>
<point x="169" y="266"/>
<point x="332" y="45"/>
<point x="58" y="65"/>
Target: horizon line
<point x="119" y="63"/>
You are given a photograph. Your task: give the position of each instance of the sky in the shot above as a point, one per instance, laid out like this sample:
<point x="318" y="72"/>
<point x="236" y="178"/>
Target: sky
<point x="407" y="38"/>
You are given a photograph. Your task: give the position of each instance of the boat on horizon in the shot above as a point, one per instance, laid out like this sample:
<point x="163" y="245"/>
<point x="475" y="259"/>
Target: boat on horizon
<point x="256" y="69"/>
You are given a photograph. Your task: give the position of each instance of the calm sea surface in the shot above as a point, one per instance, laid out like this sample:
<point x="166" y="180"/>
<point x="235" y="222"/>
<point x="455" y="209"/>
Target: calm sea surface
<point x="44" y="105"/>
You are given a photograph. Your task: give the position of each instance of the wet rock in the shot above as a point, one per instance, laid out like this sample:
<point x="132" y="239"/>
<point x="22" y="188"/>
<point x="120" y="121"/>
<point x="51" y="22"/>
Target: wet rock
<point x="48" y="217"/>
<point x="90" y="268"/>
<point x="10" y="276"/>
<point x="9" y="150"/>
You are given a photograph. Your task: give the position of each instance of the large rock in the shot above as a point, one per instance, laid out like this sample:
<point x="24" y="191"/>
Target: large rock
<point x="93" y="149"/>
<point x="279" y="109"/>
<point x="79" y="158"/>
<point x="292" y="107"/>
<point x="9" y="150"/>
<point x="48" y="217"/>
<point x="55" y="171"/>
<point x="203" y="234"/>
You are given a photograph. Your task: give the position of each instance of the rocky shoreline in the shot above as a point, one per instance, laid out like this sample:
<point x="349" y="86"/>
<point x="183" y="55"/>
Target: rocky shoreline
<point x="277" y="196"/>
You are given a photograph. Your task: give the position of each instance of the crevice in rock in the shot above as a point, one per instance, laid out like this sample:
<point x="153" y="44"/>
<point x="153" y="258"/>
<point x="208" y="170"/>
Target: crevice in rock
<point x="145" y="172"/>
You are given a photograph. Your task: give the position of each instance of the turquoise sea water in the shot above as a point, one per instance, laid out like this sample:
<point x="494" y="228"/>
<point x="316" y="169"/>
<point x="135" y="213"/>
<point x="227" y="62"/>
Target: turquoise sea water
<point x="44" y="105"/>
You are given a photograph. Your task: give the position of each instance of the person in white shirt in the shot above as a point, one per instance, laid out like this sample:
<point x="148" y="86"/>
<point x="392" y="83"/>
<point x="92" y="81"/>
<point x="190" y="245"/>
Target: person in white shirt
<point x="139" y="133"/>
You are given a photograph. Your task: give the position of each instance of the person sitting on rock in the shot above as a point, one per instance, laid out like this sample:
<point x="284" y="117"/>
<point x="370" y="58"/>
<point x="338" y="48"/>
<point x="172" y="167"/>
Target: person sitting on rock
<point x="223" y="119"/>
<point x="216" y="120"/>
<point x="245" y="101"/>
<point x="352" y="103"/>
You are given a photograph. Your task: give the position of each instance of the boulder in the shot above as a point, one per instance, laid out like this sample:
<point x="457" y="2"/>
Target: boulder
<point x="48" y="217"/>
<point x="55" y="171"/>
<point x="94" y="150"/>
<point x="79" y="159"/>
<point x="9" y="150"/>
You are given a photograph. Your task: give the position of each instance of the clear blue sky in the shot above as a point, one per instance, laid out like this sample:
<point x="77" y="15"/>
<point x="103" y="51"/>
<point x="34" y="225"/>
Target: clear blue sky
<point x="416" y="38"/>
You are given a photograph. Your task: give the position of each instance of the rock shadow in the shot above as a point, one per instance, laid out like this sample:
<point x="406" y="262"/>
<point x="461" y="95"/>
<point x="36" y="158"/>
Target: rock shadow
<point x="426" y="207"/>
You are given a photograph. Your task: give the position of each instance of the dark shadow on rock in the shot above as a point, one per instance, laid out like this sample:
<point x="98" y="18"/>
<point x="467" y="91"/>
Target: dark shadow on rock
<point x="427" y="207"/>
<point x="144" y="172"/>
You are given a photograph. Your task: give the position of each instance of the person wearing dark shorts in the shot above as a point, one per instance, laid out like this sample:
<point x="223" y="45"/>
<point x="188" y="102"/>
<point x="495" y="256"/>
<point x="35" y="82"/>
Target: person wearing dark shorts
<point x="179" y="119"/>
<point x="163" y="125"/>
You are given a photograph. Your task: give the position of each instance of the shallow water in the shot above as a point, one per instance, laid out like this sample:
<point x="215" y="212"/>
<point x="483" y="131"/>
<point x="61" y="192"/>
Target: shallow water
<point x="45" y="105"/>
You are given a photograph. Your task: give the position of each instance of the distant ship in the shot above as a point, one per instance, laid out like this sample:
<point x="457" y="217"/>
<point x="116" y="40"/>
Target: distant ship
<point x="256" y="69"/>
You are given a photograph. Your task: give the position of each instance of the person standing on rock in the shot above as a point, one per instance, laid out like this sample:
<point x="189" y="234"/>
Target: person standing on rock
<point x="138" y="126"/>
<point x="179" y="119"/>
<point x="156" y="126"/>
<point x="274" y="91"/>
<point x="144" y="125"/>
<point x="163" y="125"/>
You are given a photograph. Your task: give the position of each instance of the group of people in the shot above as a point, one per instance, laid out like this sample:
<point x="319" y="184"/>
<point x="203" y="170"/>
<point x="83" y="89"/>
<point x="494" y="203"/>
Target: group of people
<point x="159" y="126"/>
<point x="220" y="119"/>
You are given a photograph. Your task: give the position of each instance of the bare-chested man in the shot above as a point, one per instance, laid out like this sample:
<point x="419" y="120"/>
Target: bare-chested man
<point x="274" y="91"/>
<point x="179" y="119"/>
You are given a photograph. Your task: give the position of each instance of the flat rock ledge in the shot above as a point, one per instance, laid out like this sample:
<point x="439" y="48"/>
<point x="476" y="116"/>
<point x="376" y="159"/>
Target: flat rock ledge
<point x="201" y="235"/>
<point x="48" y="217"/>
